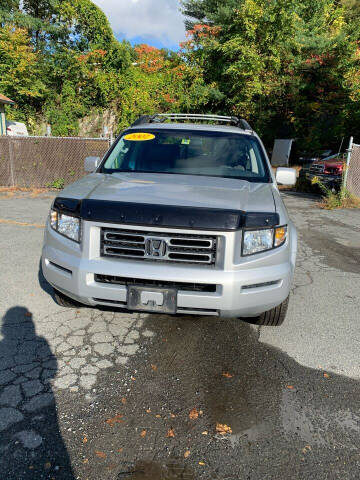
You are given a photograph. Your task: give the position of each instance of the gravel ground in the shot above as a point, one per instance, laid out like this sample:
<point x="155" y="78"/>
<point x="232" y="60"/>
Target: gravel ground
<point x="103" y="395"/>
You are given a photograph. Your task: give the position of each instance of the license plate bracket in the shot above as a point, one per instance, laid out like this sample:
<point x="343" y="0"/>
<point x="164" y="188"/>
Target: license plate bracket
<point x="151" y="299"/>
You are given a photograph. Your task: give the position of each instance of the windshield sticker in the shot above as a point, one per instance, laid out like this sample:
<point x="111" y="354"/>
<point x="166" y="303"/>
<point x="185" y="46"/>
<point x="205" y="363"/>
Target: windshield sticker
<point x="185" y="141"/>
<point x="139" y="137"/>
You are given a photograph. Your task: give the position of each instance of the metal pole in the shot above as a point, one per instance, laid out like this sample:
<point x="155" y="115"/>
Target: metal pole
<point x="342" y="141"/>
<point x="349" y="151"/>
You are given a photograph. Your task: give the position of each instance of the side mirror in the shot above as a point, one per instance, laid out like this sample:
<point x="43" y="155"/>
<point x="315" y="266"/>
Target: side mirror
<point x="91" y="164"/>
<point x="286" y="176"/>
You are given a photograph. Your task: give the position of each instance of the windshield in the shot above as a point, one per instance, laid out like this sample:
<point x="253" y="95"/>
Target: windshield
<point x="218" y="154"/>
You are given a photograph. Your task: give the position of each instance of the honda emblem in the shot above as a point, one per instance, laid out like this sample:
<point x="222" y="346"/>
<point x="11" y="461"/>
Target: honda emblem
<point x="155" y="247"/>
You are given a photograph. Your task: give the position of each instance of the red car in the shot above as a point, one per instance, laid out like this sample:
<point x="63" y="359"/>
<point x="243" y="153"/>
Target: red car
<point x="328" y="170"/>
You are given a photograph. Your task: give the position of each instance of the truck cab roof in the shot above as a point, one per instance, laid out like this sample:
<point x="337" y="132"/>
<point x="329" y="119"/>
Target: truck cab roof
<point x="200" y="127"/>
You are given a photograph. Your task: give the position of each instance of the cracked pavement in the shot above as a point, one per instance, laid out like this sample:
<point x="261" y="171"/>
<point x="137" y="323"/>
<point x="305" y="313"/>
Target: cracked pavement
<point x="101" y="394"/>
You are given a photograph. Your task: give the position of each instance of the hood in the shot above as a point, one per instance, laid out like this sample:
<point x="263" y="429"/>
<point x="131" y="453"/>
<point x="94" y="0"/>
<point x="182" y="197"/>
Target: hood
<point x="329" y="163"/>
<point x="179" y="190"/>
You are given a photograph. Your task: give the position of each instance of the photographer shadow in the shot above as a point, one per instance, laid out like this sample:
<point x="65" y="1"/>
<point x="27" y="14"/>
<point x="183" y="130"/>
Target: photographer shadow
<point x="30" y="439"/>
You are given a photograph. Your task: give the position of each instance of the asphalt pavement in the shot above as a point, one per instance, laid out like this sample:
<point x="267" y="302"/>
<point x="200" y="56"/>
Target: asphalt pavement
<point x="104" y="395"/>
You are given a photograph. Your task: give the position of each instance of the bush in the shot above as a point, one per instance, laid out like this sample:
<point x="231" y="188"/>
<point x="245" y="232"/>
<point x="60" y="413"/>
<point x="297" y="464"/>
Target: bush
<point x="336" y="199"/>
<point x="59" y="184"/>
<point x="305" y="186"/>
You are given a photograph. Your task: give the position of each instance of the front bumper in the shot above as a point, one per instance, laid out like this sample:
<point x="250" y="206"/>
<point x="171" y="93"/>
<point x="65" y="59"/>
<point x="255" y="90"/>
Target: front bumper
<point x="240" y="291"/>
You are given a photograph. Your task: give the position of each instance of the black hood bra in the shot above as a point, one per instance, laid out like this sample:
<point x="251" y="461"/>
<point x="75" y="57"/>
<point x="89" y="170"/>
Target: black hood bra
<point x="174" y="216"/>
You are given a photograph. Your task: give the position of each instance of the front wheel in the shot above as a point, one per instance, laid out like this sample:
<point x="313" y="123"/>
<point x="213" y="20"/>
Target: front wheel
<point x="272" y="318"/>
<point x="65" y="301"/>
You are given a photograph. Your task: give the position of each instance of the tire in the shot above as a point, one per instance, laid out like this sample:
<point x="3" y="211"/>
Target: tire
<point x="272" y="318"/>
<point x="65" y="301"/>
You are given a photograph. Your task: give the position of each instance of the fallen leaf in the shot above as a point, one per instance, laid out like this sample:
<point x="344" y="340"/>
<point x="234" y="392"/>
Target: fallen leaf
<point x="133" y="379"/>
<point x="100" y="454"/>
<point x="326" y="375"/>
<point x="290" y="387"/>
<point x="223" y="429"/>
<point x="193" y="415"/>
<point x="227" y="375"/>
<point x="187" y="453"/>
<point x="47" y="465"/>
<point x="116" y="419"/>
<point x="306" y="449"/>
<point x="154" y="367"/>
<point x="201" y="463"/>
<point x="123" y="401"/>
<point x="28" y="314"/>
<point x="86" y="460"/>
<point x="172" y="415"/>
<point x="120" y="450"/>
<point x="143" y="434"/>
<point x="204" y="433"/>
<point x="170" y="433"/>
<point x="85" y="440"/>
<point x="148" y="410"/>
<point x="158" y="416"/>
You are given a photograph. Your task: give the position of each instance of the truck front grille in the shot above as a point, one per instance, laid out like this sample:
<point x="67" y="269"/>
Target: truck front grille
<point x="317" y="168"/>
<point x="158" y="246"/>
<point x="184" y="286"/>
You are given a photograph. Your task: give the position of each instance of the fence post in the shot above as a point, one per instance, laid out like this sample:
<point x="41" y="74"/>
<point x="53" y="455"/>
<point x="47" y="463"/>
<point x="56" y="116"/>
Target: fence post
<point x="349" y="151"/>
<point x="11" y="160"/>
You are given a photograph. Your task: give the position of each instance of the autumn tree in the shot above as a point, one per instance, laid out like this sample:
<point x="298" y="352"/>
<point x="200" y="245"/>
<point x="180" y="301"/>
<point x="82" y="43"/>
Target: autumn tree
<point x="285" y="65"/>
<point x="20" y="77"/>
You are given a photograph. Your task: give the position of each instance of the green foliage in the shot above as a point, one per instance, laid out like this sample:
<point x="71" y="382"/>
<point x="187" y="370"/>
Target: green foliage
<point x="290" y="67"/>
<point x="88" y="24"/>
<point x="59" y="184"/>
<point x="60" y="62"/>
<point x="20" y="77"/>
<point x="304" y="185"/>
<point x="336" y="199"/>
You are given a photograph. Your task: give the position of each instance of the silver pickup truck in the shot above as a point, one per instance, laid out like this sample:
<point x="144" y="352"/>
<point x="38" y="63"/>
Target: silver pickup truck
<point x="178" y="218"/>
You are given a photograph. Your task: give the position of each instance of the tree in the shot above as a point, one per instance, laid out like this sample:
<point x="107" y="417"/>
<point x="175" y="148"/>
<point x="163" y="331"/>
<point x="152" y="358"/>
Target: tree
<point x="87" y="25"/>
<point x="19" y="72"/>
<point x="285" y="65"/>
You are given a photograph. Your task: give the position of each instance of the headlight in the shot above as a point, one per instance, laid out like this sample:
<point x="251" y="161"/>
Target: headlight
<point x="255" y="241"/>
<point x="66" y="225"/>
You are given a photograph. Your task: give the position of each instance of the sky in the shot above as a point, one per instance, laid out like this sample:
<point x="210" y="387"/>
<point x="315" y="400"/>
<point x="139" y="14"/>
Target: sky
<point x="156" y="22"/>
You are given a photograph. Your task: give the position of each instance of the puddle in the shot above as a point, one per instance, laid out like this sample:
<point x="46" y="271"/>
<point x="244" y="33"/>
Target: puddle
<point x="158" y="471"/>
<point x="240" y="404"/>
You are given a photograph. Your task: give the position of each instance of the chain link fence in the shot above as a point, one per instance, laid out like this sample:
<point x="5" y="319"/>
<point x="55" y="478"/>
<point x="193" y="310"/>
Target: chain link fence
<point x="45" y="161"/>
<point x="353" y="172"/>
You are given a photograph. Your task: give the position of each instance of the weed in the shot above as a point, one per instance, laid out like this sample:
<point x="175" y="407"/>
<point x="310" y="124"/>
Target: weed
<point x="332" y="199"/>
<point x="59" y="184"/>
<point x="305" y="186"/>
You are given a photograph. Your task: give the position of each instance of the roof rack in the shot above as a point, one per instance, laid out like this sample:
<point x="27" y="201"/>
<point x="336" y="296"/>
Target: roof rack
<point x="162" y="117"/>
